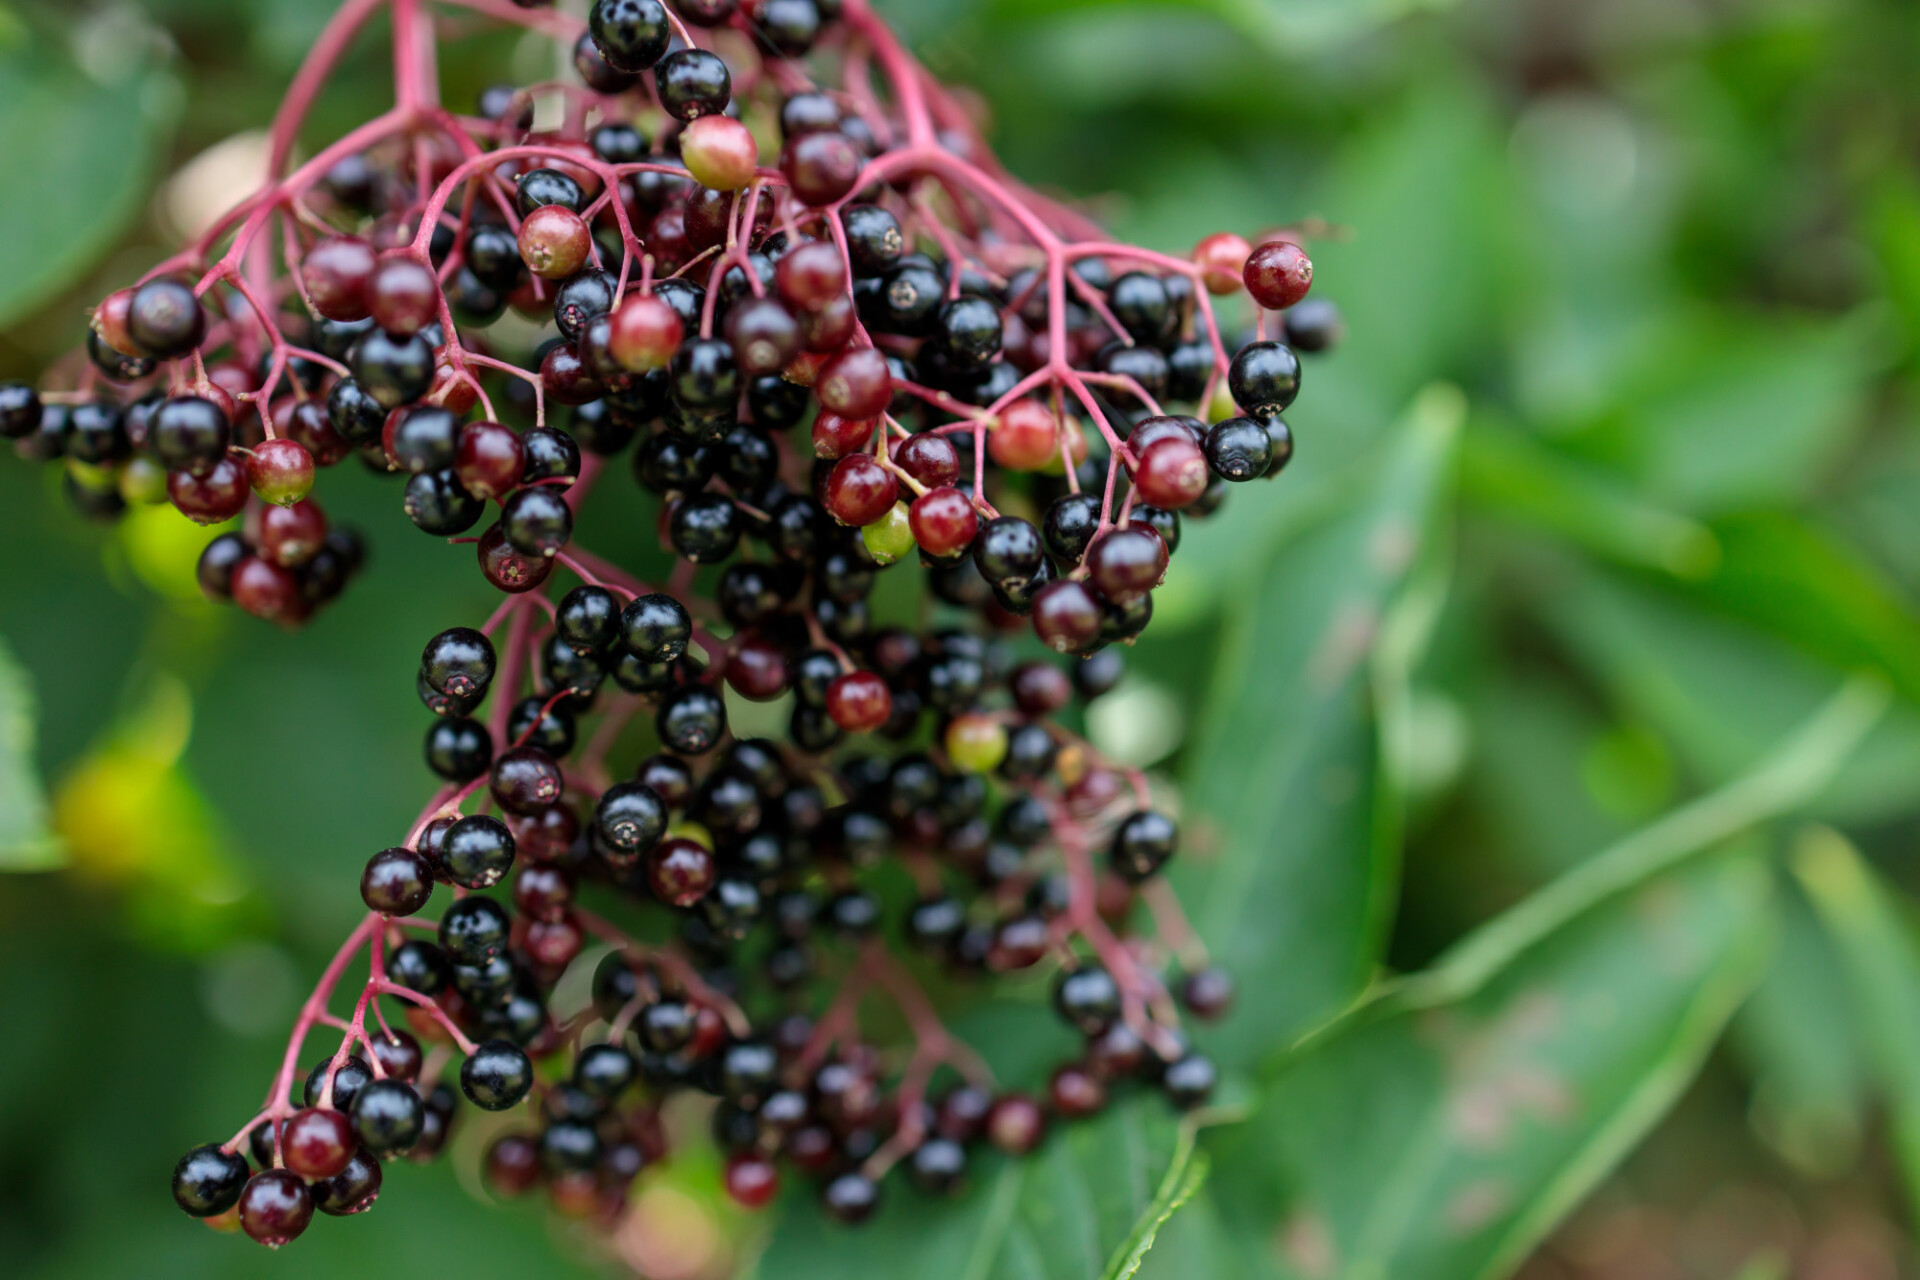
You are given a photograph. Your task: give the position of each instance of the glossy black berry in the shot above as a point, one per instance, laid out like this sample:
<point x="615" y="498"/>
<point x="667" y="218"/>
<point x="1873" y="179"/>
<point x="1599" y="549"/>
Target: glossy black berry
<point x="938" y="1166"/>
<point x="207" y="1181"/>
<point x="1190" y="1081"/>
<point x="388" y="1116"/>
<point x="96" y="433"/>
<point x="874" y="239"/>
<point x="547" y="728"/>
<point x="580" y="300"/>
<point x="632" y="35"/>
<point x="426" y="438"/>
<point x="691" y="83"/>
<point x="1314" y="325"/>
<point x="19" y="416"/>
<point x="396" y="882"/>
<point x="1264" y="378"/>
<point x="1140" y="303"/>
<point x="604" y="1071"/>
<point x="1069" y="525"/>
<point x="477" y="851"/>
<point x="1087" y="998"/>
<point x="496" y="1076"/>
<point x="691" y="720"/>
<point x="355" y="1188"/>
<point x="656" y="627"/>
<point x="969" y="331"/>
<point x="189" y="434"/>
<point x="1142" y="844"/>
<point x="705" y="527"/>
<point x="354" y="413"/>
<point x="458" y="749"/>
<point x="630" y="818"/>
<point x="1239" y="449"/>
<point x="420" y="966"/>
<point x="536" y="521"/>
<point x="460" y="661"/>
<point x="548" y="186"/>
<point x="474" y="929"/>
<point x="850" y="1198"/>
<point x="1008" y="551"/>
<point x="393" y="371"/>
<point x="353" y="1076"/>
<point x="165" y="319"/>
<point x="552" y="454"/>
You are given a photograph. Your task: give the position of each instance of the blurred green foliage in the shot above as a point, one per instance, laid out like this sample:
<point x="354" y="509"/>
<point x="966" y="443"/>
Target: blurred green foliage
<point x="1615" y="480"/>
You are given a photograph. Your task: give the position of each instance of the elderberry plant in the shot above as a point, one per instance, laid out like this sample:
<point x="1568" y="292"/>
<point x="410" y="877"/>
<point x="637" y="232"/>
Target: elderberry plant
<point x="878" y="352"/>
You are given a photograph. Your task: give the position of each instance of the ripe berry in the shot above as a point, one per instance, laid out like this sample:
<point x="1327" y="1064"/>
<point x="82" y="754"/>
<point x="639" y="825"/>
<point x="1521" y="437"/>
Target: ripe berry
<point x="496" y="1075"/>
<point x="388" y="1116"/>
<point x="943" y="520"/>
<point x="1124" y="564"/>
<point x="396" y="882"/>
<point x="704" y="527"/>
<point x="477" y="851"/>
<point x="1264" y="378"/>
<point x="336" y="273"/>
<point x="525" y="780"/>
<point x="398" y="1054"/>
<point x="691" y="720"/>
<point x="393" y="370"/>
<point x="347" y="1081"/>
<point x="656" y="627"/>
<point x="630" y="818"/>
<point x="1087" y="998"/>
<point x="1278" y="275"/>
<point x="859" y="490"/>
<point x="489" y="459"/>
<point x="208" y="1180"/>
<point x="420" y="966"/>
<point x="554" y="242"/>
<point x="474" y="929"/>
<point x="1207" y="993"/>
<point x="190" y="434"/>
<point x="403" y="295"/>
<point x="1314" y="326"/>
<point x="507" y="568"/>
<point x="459" y="662"/>
<point x="353" y="1189"/>
<point x="875" y="241"/>
<point x="821" y="168"/>
<point x="691" y="83"/>
<point x="1008" y="551"/>
<point x="1076" y="1092"/>
<point x="719" y="152"/>
<point x="631" y="35"/>
<point x="20" y="412"/>
<point x="1239" y="449"/>
<point x="512" y="1164"/>
<point x="1065" y="616"/>
<point x="536" y="521"/>
<point x="1190" y="1081"/>
<point x="1142" y="844"/>
<point x="850" y="1198"/>
<point x="275" y="1207"/>
<point x="604" y="1071"/>
<point x="165" y="320"/>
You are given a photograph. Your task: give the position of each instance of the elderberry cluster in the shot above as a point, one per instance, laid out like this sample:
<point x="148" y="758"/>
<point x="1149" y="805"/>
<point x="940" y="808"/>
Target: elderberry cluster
<point x="877" y="351"/>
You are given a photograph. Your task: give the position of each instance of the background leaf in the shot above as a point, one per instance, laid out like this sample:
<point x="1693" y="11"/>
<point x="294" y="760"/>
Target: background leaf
<point x="26" y="842"/>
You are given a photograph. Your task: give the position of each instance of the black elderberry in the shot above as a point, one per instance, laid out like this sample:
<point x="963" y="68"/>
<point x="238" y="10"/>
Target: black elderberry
<point x="909" y="300"/>
<point x="477" y="851"/>
<point x="459" y="661"/>
<point x="353" y="1076"/>
<point x="207" y="1181"/>
<point x="705" y="527"/>
<point x="95" y="433"/>
<point x="1189" y="365"/>
<point x="1140" y="303"/>
<point x="20" y="411"/>
<point x="667" y="462"/>
<point x="438" y="504"/>
<point x="1087" y="998"/>
<point x="420" y="966"/>
<point x="1024" y="822"/>
<point x="1189" y="1082"/>
<point x="615" y="985"/>
<point x="355" y="1188"/>
<point x="393" y="371"/>
<point x="497" y="1075"/>
<point x="1008" y="551"/>
<point x="188" y="434"/>
<point x="388" y="1116"/>
<point x="552" y="454"/>
<point x="579" y="301"/>
<point x="588" y="620"/>
<point x="1142" y="844"/>
<point x="1097" y="674"/>
<point x="852" y="913"/>
<point x="426" y="438"/>
<point x="691" y="720"/>
<point x="165" y="319"/>
<point x="665" y="1026"/>
<point x="631" y="35"/>
<point x="1145" y="365"/>
<point x="969" y="331"/>
<point x="656" y="627"/>
<point x="536" y="521"/>
<point x="851" y="1198"/>
<point x="933" y="923"/>
<point x="1161" y="521"/>
<point x="630" y="818"/>
<point x="1069" y="525"/>
<point x="540" y="187"/>
<point x="458" y="749"/>
<point x="603" y="1071"/>
<point x="565" y="668"/>
<point x="691" y="83"/>
<point x="705" y="375"/>
<point x="1264" y="378"/>
<point x="788" y="27"/>
<point x="938" y="1166"/>
<point x="874" y="239"/>
<point x="1313" y="325"/>
<point x="617" y="142"/>
<point x="1239" y="449"/>
<point x="474" y="929"/>
<point x="354" y="413"/>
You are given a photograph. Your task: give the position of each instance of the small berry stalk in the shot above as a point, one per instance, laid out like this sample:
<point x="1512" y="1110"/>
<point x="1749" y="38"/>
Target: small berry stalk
<point x="879" y="353"/>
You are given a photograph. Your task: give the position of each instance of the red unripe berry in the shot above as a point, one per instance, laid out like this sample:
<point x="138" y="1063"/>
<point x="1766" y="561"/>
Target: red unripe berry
<point x="506" y="568"/>
<point x="943" y="521"/>
<point x="490" y="460"/>
<point x="337" y="272"/>
<point x="1075" y="1092"/>
<point x="554" y="943"/>
<point x="317" y="1143"/>
<point x="1066" y="617"/>
<point x="512" y="1165"/>
<point x="719" y="152"/>
<point x="1016" y="1124"/>
<point x="1221" y="258"/>
<point x="1026" y="438"/>
<point x="757" y="671"/>
<point x="859" y="490"/>
<point x="292" y="535"/>
<point x="554" y="241"/>
<point x="836" y="437"/>
<point x="219" y="495"/>
<point x="275" y="1207"/>
<point x="928" y="458"/>
<point x="565" y="375"/>
<point x="281" y="472"/>
<point x="859" y="701"/>
<point x="1125" y="564"/>
<point x="762" y="332"/>
<point x="110" y="322"/>
<point x="1278" y="274"/>
<point x="831" y="327"/>
<point x="404" y="296"/>
<point x="1040" y="689"/>
<point x="646" y="332"/>
<point x="1172" y="473"/>
<point x="811" y="275"/>
<point x="680" y="872"/>
<point x="264" y="589"/>
<point x="752" y="1180"/>
<point x="856" y="384"/>
<point x="821" y="167"/>
<point x="307" y="423"/>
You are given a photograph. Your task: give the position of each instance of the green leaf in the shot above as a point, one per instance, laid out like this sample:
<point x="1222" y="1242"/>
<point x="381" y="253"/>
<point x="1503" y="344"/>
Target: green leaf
<point x="61" y="126"/>
<point x="1441" y="1130"/>
<point x="1294" y="768"/>
<point x="26" y="842"/>
<point x="1089" y="1203"/>
<point x="1882" y="958"/>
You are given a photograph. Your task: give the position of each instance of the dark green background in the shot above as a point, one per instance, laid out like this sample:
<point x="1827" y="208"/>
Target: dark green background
<point x="1669" y="252"/>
